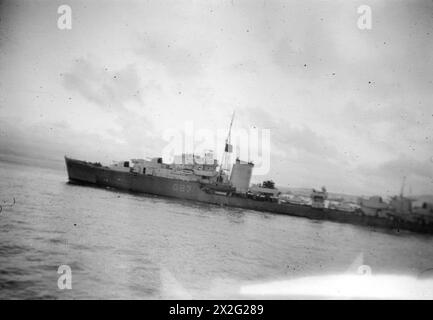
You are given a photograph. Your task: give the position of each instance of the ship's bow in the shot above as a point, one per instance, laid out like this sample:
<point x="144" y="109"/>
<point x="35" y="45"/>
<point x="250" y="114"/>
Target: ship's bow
<point x="80" y="171"/>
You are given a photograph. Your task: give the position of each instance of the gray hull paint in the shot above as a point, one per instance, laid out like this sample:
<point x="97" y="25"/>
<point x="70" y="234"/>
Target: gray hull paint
<point x="84" y="172"/>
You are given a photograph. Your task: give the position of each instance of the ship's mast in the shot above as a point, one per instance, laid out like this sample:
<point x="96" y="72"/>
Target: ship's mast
<point x="402" y="186"/>
<point x="227" y="149"/>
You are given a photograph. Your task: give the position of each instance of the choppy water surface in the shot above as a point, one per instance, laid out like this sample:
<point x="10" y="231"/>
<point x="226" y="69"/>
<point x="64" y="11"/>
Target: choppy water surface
<point x="122" y="245"/>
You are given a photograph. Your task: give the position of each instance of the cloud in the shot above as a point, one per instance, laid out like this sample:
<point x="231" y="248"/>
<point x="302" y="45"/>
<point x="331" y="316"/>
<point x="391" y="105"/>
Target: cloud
<point x="109" y="89"/>
<point x="122" y="93"/>
<point x="388" y="176"/>
<point x="287" y="135"/>
<point x="176" y="59"/>
<point x="51" y="140"/>
<point x="402" y="166"/>
<point x="335" y="98"/>
<point x="392" y="126"/>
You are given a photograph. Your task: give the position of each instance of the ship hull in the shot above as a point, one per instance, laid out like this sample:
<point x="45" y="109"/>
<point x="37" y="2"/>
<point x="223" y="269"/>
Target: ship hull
<point x="86" y="173"/>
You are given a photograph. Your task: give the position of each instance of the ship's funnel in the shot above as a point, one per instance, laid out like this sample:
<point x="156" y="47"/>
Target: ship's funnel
<point x="241" y="175"/>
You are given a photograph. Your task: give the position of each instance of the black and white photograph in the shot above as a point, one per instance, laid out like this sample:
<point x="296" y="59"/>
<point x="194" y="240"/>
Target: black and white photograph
<point x="216" y="150"/>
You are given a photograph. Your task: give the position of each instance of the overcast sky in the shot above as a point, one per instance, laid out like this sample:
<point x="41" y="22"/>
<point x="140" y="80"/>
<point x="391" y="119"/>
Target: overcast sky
<point x="347" y="108"/>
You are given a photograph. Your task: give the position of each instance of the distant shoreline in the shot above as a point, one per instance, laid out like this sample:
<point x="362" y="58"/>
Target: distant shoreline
<point x="48" y="163"/>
